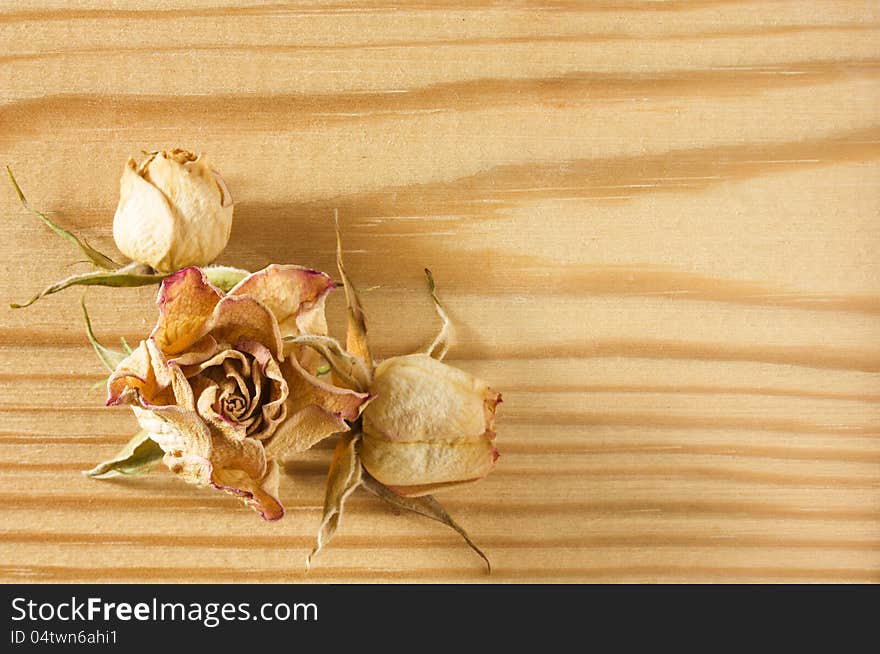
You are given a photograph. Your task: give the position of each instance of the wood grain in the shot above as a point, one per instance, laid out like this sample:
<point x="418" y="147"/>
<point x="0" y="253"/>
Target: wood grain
<point x="655" y="224"/>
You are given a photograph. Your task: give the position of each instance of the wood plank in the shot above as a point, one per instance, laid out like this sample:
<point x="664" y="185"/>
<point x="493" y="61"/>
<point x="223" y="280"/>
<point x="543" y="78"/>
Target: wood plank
<point x="655" y="225"/>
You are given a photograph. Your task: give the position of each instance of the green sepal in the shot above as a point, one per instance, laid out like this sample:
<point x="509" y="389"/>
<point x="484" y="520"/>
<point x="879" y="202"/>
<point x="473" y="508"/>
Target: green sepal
<point x="99" y="259"/>
<point x="224" y="277"/>
<point x="110" y="358"/>
<point x="124" y="277"/>
<point x="139" y="455"/>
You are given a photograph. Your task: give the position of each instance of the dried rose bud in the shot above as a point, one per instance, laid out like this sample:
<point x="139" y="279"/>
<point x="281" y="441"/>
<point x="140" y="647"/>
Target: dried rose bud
<point x="429" y="426"/>
<point x="174" y="211"/>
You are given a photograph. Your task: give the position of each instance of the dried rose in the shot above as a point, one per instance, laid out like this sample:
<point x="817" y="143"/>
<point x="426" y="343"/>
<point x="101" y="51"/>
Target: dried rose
<point x="110" y="273"/>
<point x="213" y="388"/>
<point x="174" y="211"/>
<point x="430" y="426"/>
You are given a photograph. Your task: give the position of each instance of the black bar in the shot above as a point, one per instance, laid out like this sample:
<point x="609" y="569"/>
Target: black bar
<point x="385" y="617"/>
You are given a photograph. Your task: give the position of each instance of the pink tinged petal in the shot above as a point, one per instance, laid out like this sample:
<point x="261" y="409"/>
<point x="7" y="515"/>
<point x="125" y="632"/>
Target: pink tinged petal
<point x="306" y="389"/>
<point x="186" y="303"/>
<point x="246" y="455"/>
<point x="260" y="494"/>
<point x="295" y="296"/>
<point x="237" y="319"/>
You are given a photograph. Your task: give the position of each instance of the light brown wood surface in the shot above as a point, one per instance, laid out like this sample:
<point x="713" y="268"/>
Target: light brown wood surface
<point x="655" y="224"/>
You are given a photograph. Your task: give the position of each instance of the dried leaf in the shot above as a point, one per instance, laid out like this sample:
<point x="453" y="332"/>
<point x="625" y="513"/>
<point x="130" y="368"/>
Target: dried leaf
<point x="342" y="479"/>
<point x="225" y="277"/>
<point x="110" y="358"/>
<point x="124" y="277"/>
<point x="444" y="337"/>
<point x="425" y="505"/>
<point x="97" y="258"/>
<point x="139" y="455"/>
<point x="356" y="338"/>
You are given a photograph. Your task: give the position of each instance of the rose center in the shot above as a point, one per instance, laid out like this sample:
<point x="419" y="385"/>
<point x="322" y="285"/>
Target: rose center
<point x="243" y="388"/>
<point x="234" y="406"/>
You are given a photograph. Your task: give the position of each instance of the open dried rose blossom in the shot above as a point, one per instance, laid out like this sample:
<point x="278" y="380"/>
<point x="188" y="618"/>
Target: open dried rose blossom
<point x="212" y="387"/>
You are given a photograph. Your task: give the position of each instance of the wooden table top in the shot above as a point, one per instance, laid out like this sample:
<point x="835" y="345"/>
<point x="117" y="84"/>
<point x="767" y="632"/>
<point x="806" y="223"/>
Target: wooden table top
<point x="654" y="223"/>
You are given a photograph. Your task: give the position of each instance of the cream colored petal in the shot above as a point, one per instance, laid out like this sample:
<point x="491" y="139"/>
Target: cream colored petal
<point x="302" y="430"/>
<point x="133" y="372"/>
<point x="306" y="389"/>
<point x="243" y="318"/>
<point x="199" y="352"/>
<point x="186" y="304"/>
<point x="342" y="480"/>
<point x="144" y="224"/>
<point x="246" y="455"/>
<point x="183" y="392"/>
<point x="295" y="296"/>
<point x="260" y="494"/>
<point x="144" y="371"/>
<point x="203" y="219"/>
<point x="418" y="464"/>
<point x="183" y="437"/>
<point x="217" y="360"/>
<point x="421" y="399"/>
<point x="312" y="319"/>
<point x="230" y="430"/>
